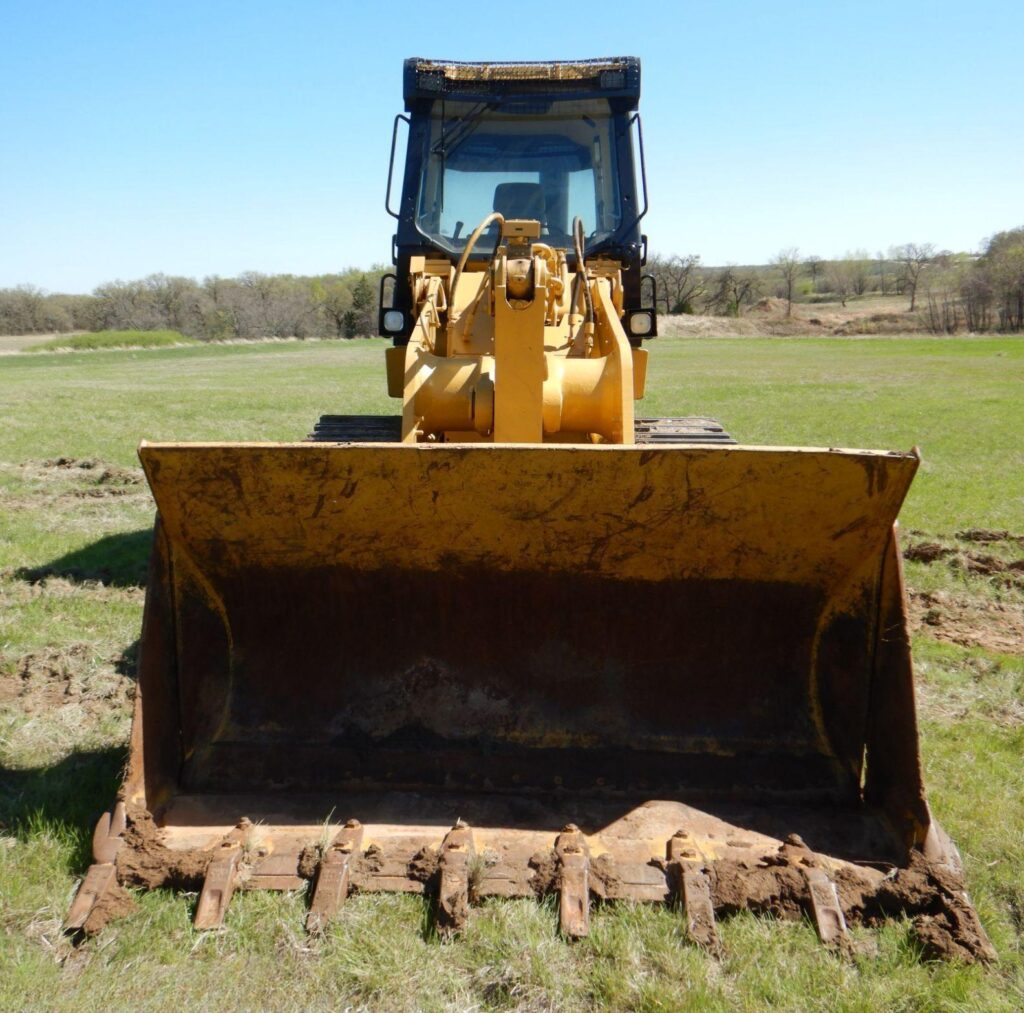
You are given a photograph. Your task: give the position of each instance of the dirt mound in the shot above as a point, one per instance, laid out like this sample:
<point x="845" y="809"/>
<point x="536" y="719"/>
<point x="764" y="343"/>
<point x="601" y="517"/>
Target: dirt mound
<point x="927" y="552"/>
<point x="969" y="621"/>
<point x="769" y="305"/>
<point x="984" y="535"/>
<point x="1007" y="572"/>
<point x="1011" y="572"/>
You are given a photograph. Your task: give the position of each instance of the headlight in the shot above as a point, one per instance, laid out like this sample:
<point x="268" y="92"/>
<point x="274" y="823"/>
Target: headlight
<point x="640" y="323"/>
<point x="394" y="321"/>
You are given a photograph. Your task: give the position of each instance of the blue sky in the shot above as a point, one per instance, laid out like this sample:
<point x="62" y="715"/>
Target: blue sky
<point x="212" y="138"/>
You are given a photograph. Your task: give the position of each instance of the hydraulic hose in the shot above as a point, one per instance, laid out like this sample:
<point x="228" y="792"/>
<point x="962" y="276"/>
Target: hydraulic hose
<point x="584" y="339"/>
<point x="581" y="271"/>
<point x="494" y="216"/>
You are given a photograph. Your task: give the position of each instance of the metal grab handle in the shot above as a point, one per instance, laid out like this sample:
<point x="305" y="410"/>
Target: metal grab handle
<point x="391" y="163"/>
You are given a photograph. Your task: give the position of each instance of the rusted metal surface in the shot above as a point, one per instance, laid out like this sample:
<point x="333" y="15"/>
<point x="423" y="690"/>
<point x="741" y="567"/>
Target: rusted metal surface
<point x="455" y="864"/>
<point x="826" y="909"/>
<point x="718" y="866"/>
<point x="332" y="879"/>
<point x="573" y="856"/>
<point x="687" y="867"/>
<point x="221" y="879"/>
<point x="101" y="878"/>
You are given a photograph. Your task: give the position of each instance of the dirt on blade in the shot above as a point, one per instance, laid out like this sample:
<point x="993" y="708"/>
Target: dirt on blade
<point x="144" y="860"/>
<point x="115" y="903"/>
<point x="945" y="923"/>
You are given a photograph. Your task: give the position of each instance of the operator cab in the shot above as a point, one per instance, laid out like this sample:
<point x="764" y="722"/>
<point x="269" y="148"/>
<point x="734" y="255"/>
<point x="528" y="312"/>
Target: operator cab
<point x="542" y="141"/>
<point x="548" y="161"/>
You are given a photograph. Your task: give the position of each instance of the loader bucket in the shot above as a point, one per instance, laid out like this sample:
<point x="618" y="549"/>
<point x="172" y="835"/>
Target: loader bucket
<point x="605" y="671"/>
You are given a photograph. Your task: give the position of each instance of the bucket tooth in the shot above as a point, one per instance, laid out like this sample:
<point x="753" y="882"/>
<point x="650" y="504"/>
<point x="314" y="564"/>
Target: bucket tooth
<point x="685" y="866"/>
<point x="102" y="874"/>
<point x="457" y="855"/>
<point x="106" y="838"/>
<point x="826" y="910"/>
<point x="101" y="878"/>
<point x="221" y="879"/>
<point x="332" y="879"/>
<point x="573" y="856"/>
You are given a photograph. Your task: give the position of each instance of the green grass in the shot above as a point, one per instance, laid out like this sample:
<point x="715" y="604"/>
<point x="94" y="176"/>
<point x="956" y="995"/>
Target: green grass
<point x="74" y="524"/>
<point x="112" y="339"/>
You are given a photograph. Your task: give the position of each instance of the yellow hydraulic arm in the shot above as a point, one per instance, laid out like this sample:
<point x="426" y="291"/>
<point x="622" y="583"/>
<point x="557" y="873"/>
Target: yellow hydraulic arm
<point x="521" y="351"/>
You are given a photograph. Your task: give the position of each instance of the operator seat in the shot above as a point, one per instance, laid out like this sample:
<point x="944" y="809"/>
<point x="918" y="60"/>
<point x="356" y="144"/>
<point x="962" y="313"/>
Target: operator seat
<point x="520" y="200"/>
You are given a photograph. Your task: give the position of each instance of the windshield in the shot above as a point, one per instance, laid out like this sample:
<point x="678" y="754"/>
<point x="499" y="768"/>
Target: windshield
<point x="549" y="161"/>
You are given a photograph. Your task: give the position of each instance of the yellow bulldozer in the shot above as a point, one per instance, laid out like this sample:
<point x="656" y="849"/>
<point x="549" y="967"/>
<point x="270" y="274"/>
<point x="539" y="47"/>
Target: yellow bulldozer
<point x="517" y="641"/>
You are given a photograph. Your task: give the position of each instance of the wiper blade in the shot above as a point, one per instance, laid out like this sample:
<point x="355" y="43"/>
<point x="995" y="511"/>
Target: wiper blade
<point x="460" y="129"/>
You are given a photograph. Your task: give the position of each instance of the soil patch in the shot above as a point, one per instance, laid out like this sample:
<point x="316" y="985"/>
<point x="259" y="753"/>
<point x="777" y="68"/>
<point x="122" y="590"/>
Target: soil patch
<point x="100" y="479"/>
<point x="54" y="677"/>
<point x="927" y="552"/>
<point x="984" y="535"/>
<point x="969" y="621"/>
<point x="1007" y="572"/>
<point x="88" y="477"/>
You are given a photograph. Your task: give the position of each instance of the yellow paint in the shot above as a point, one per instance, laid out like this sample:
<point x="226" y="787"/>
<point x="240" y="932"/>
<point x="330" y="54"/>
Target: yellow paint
<point x="519" y="359"/>
<point x="657" y="513"/>
<point x="498" y="353"/>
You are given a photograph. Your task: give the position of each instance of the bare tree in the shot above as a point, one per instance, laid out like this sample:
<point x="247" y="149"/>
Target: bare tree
<point x="860" y="271"/>
<point x="788" y="263"/>
<point x="911" y="259"/>
<point x="732" y="289"/>
<point x="840" y="275"/>
<point x="680" y="281"/>
<point x="815" y="267"/>
<point x="883" y="286"/>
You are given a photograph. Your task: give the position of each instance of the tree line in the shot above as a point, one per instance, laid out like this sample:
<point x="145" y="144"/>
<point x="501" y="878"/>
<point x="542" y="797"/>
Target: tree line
<point x="949" y="292"/>
<point x="685" y="285"/>
<point x="253" y="305"/>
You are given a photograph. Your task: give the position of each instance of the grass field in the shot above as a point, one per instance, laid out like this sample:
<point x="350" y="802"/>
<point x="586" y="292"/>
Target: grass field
<point x="75" y="518"/>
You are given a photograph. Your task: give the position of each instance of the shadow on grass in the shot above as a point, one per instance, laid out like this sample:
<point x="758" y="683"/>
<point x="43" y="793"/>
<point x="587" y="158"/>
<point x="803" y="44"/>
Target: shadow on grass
<point x="64" y="799"/>
<point x="116" y="560"/>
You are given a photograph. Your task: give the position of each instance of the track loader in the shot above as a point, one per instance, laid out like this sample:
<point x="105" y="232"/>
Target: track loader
<point x="517" y="640"/>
